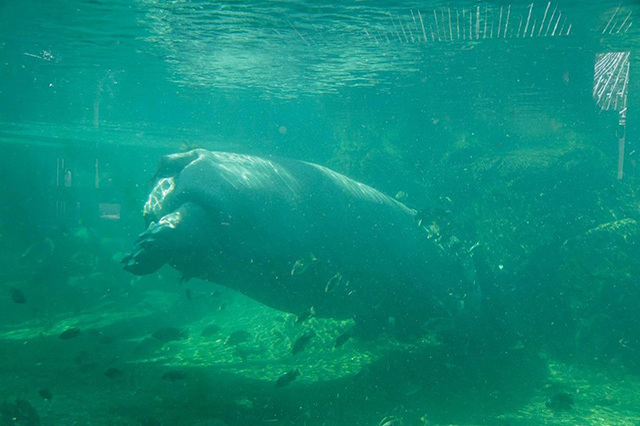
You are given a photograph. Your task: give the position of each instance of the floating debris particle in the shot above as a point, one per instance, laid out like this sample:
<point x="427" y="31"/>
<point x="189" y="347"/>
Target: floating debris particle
<point x="287" y="378"/>
<point x="113" y="372"/>
<point x="168" y="334"/>
<point x="18" y="296"/>
<point x="70" y="333"/>
<point x="301" y="343"/>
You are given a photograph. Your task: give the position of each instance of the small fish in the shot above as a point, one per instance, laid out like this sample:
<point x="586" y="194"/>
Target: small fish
<point x="45" y="394"/>
<point x="210" y="330"/>
<point x="301" y="265"/>
<point x="301" y="342"/>
<point x="168" y="334"/>
<point x="342" y="339"/>
<point x="113" y="372"/>
<point x="18" y="296"/>
<point x="311" y="312"/>
<point x="333" y="282"/>
<point x="237" y="337"/>
<point x="70" y="333"/>
<point x="40" y="250"/>
<point x="287" y="378"/>
<point x="174" y="376"/>
<point x="188" y="294"/>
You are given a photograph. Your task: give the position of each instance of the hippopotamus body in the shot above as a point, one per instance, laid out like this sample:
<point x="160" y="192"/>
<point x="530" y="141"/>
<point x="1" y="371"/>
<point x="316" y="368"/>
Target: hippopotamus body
<point x="295" y="236"/>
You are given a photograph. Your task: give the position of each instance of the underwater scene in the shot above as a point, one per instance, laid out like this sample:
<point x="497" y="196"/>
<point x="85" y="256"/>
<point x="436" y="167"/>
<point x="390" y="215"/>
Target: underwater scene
<point x="384" y="213"/>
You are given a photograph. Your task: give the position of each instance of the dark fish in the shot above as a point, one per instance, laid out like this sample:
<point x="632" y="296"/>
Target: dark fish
<point x="20" y="413"/>
<point x="301" y="343"/>
<point x="70" y="333"/>
<point x="561" y="401"/>
<point x="287" y="378"/>
<point x="342" y="339"/>
<point x="149" y="421"/>
<point x="210" y="330"/>
<point x="237" y="337"/>
<point x="174" y="376"/>
<point x="305" y="315"/>
<point x="45" y="394"/>
<point x="168" y="334"/>
<point x="113" y="372"/>
<point x="18" y="296"/>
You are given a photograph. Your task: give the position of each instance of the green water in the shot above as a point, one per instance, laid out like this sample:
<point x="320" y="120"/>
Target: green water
<point x="481" y="114"/>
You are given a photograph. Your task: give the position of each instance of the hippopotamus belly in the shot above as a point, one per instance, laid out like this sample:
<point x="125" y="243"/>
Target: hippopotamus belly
<point x="293" y="235"/>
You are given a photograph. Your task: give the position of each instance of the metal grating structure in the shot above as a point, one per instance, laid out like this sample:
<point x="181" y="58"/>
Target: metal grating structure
<point x="611" y="80"/>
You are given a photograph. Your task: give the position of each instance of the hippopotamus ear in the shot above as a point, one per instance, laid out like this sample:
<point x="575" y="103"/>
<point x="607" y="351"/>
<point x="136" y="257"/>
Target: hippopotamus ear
<point x="171" y="165"/>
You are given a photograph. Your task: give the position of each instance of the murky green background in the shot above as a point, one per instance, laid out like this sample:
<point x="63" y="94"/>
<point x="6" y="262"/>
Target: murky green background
<point x="482" y="110"/>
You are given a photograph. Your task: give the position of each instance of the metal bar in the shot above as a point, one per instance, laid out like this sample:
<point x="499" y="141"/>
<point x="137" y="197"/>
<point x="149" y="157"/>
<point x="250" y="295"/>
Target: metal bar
<point x="533" y="27"/>
<point x="526" y="27"/>
<point x="623" y="22"/>
<point x="464" y="28"/>
<point x="484" y="32"/>
<point x="395" y="29"/>
<point x="477" y="22"/>
<point x="611" y="19"/>
<point x="556" y="25"/>
<point x="404" y="33"/>
<point x="424" y="33"/>
<point x="543" y="19"/>
<point x="551" y="20"/>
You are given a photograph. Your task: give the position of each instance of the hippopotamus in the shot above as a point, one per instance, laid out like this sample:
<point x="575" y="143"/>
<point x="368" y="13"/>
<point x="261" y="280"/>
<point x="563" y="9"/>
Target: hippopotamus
<point x="297" y="237"/>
